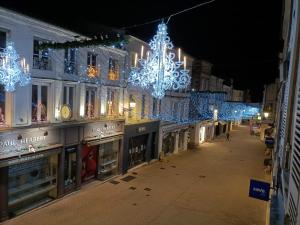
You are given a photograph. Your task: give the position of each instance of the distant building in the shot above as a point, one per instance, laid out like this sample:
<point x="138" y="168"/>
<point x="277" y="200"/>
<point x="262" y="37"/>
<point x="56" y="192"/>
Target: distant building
<point x="269" y="103"/>
<point x="228" y="90"/>
<point x="201" y="75"/>
<point x="237" y="95"/>
<point x="247" y="96"/>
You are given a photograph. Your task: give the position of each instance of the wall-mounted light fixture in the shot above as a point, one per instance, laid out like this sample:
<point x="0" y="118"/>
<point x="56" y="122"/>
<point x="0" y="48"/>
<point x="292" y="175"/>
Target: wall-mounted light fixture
<point x="266" y="115"/>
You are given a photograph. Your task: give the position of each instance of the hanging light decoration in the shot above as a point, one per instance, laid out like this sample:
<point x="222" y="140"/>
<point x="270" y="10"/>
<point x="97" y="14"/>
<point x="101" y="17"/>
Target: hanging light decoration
<point x="159" y="70"/>
<point x="13" y="70"/>
<point x="89" y="74"/>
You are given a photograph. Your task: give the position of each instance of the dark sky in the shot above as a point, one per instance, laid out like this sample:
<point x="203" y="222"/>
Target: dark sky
<point x="240" y="37"/>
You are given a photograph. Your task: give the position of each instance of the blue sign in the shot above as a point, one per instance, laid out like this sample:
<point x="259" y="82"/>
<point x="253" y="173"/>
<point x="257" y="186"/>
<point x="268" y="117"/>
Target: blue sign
<point x="259" y="190"/>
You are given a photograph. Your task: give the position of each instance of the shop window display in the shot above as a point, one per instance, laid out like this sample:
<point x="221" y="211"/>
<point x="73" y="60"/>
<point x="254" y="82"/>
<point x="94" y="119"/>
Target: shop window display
<point x="137" y="150"/>
<point x="39" y="103"/>
<point x="108" y="159"/>
<point x="31" y="184"/>
<point x="112" y="102"/>
<point x="169" y="143"/>
<point x="90" y="103"/>
<point x="89" y="163"/>
<point x="70" y="167"/>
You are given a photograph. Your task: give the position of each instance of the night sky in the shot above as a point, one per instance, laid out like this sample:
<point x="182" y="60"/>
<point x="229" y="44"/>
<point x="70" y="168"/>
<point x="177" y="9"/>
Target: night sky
<point x="241" y="38"/>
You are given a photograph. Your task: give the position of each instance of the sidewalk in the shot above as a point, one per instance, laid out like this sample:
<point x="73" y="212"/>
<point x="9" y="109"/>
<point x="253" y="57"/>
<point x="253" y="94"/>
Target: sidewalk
<point x="201" y="187"/>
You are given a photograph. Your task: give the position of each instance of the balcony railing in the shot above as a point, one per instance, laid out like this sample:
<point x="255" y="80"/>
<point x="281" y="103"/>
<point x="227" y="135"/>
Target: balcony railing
<point x="42" y="62"/>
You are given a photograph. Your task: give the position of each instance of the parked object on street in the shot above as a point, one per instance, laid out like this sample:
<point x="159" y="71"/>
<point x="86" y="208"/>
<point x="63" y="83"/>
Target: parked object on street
<point x="227" y="136"/>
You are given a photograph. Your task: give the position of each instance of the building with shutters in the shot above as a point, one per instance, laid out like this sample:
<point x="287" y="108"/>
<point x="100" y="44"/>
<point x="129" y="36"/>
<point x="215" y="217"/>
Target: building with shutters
<point x="286" y="153"/>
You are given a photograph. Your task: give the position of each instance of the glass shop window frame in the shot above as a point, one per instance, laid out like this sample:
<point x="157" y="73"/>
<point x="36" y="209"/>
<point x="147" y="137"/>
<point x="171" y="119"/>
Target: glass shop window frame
<point x="70" y="59"/>
<point x="66" y="97"/>
<point x="113" y="69"/>
<point x="70" y="152"/>
<point x="113" y="97"/>
<point x="41" y="59"/>
<point x="88" y="101"/>
<point x="40" y="86"/>
<point x="3" y="39"/>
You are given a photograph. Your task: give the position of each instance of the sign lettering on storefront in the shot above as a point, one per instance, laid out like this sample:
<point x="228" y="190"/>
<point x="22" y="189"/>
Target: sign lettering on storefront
<point x="30" y="140"/>
<point x="103" y="129"/>
<point x="141" y="129"/>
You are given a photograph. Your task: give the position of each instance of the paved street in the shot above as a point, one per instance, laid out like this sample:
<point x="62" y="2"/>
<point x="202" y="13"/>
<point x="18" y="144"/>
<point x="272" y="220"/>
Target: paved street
<point x="202" y="187"/>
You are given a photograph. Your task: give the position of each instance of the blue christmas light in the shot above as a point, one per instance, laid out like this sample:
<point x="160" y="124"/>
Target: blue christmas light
<point x="13" y="71"/>
<point x="159" y="72"/>
<point x="202" y="105"/>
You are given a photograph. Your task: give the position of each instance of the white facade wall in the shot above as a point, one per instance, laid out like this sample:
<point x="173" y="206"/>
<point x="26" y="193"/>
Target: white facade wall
<point x="22" y="30"/>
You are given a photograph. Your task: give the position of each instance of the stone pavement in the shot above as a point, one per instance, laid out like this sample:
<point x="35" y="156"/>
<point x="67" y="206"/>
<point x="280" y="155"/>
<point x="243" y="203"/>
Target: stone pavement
<point x="208" y="186"/>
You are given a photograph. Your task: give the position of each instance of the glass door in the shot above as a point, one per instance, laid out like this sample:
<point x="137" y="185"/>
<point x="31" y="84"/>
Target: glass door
<point x="70" y="166"/>
<point x="108" y="159"/>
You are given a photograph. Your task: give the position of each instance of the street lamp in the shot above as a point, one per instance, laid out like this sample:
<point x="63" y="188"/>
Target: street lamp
<point x="266" y="115"/>
<point x="215" y="114"/>
<point x="132" y="104"/>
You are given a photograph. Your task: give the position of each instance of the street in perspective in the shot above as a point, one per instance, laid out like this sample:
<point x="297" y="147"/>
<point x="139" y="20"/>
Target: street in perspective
<point x="201" y="186"/>
<point x="150" y="113"/>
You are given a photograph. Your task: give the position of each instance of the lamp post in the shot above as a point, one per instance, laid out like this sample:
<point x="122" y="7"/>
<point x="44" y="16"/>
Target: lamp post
<point x="266" y="115"/>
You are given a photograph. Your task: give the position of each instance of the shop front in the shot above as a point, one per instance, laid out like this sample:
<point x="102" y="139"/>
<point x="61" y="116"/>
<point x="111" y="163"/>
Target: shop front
<point x="174" y="138"/>
<point x="29" y="168"/>
<point x="201" y="132"/>
<point x="101" y="150"/>
<point x="140" y="144"/>
<point x="71" y="159"/>
<point x="168" y="144"/>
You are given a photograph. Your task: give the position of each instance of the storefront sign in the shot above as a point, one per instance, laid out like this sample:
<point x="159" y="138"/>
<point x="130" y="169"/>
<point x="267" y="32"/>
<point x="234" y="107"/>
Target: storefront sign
<point x="259" y="190"/>
<point x="103" y="129"/>
<point x="26" y="141"/>
<point x="141" y="129"/>
<point x="6" y="143"/>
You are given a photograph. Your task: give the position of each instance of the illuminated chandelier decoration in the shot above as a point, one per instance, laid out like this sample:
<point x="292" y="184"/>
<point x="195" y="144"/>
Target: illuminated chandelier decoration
<point x="13" y="70"/>
<point x="159" y="70"/>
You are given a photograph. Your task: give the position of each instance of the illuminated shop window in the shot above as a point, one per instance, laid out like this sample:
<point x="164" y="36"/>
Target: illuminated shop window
<point x="92" y="69"/>
<point x="90" y="97"/>
<point x="39" y="103"/>
<point x="133" y="59"/>
<point x="112" y="102"/>
<point x="113" y="69"/>
<point x="69" y="96"/>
